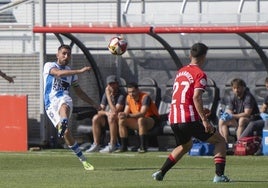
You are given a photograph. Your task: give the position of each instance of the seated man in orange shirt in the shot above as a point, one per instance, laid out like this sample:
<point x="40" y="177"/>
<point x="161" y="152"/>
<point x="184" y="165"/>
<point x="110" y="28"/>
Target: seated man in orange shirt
<point x="140" y="114"/>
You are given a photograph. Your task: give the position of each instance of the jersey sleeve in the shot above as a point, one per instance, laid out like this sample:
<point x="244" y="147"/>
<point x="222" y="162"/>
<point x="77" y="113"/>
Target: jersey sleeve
<point x="121" y="100"/>
<point x="201" y="81"/>
<point x="249" y="102"/>
<point x="48" y="66"/>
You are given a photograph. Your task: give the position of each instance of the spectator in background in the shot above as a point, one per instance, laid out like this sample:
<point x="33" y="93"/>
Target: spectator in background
<point x="113" y="102"/>
<point x="140" y="114"/>
<point x="10" y="79"/>
<point x="58" y="79"/>
<point x="241" y="107"/>
<point x="254" y="128"/>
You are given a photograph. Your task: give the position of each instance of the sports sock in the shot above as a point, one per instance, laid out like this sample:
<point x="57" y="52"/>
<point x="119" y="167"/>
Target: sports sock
<point x="124" y="143"/>
<point x="62" y="126"/>
<point x="143" y="141"/>
<point x="170" y="162"/>
<point x="219" y="165"/>
<point x="77" y="151"/>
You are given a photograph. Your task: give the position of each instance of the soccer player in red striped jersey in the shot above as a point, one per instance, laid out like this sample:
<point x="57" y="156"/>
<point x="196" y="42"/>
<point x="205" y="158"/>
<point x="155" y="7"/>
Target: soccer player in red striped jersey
<point x="188" y="118"/>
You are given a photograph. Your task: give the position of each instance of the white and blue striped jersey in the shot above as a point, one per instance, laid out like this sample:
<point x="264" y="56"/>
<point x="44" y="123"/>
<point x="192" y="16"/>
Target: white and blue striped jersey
<point x="56" y="87"/>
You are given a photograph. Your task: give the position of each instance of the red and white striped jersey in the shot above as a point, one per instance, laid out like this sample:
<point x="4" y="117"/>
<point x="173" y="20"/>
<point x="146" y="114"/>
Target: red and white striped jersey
<point x="182" y="109"/>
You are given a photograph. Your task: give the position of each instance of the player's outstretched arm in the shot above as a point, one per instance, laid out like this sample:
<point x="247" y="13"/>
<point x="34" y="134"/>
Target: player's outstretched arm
<point x="60" y="73"/>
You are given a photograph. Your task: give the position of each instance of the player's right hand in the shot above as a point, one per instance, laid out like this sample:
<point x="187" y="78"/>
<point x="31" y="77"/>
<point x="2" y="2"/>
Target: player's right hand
<point x="208" y="127"/>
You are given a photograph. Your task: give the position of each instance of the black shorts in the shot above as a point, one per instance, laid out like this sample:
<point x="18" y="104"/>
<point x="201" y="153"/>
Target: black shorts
<point x="184" y="132"/>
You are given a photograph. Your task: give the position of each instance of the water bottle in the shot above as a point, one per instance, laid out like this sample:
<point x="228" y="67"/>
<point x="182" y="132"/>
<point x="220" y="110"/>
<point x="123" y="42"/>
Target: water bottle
<point x="221" y="110"/>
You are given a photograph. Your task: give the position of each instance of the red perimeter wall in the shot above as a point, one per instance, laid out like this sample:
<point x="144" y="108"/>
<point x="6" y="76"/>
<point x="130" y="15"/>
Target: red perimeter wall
<point x="13" y="123"/>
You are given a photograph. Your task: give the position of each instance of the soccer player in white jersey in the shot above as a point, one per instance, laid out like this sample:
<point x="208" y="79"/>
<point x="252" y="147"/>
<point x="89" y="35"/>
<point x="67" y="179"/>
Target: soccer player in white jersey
<point x="58" y="78"/>
<point x="188" y="118"/>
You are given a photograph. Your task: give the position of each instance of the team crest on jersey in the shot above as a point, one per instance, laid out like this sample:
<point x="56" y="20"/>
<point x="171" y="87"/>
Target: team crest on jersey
<point x="203" y="82"/>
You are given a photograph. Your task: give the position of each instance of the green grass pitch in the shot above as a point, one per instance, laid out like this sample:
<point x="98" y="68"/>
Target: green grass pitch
<point x="60" y="168"/>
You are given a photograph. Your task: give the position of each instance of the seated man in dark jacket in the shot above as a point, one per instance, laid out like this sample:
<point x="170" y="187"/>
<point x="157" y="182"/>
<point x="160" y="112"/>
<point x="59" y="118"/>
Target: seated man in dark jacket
<point x="257" y="126"/>
<point x="240" y="109"/>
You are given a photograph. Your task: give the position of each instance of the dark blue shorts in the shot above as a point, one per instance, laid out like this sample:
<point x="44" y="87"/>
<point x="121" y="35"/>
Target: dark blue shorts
<point x="184" y="132"/>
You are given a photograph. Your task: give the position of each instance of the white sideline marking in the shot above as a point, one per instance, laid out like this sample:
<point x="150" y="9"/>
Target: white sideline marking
<point x="70" y="153"/>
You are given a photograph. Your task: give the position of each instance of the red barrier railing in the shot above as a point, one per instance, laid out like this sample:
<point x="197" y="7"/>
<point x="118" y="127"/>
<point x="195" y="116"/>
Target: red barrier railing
<point x="149" y="29"/>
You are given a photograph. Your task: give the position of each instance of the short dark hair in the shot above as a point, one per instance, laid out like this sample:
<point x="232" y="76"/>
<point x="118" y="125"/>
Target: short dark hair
<point x="238" y="82"/>
<point x="111" y="79"/>
<point x="198" y="50"/>
<point x="65" y="46"/>
<point x="132" y="85"/>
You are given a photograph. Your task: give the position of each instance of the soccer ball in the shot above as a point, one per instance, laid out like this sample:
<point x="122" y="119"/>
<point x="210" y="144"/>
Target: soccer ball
<point x="117" y="45"/>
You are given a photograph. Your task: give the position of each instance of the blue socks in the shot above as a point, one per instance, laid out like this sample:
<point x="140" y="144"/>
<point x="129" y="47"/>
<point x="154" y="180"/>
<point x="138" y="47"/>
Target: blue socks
<point x="77" y="151"/>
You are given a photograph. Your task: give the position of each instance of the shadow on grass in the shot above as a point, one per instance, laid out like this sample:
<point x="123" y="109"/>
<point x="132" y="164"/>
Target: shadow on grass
<point x="249" y="181"/>
<point x="149" y="168"/>
<point x="129" y="169"/>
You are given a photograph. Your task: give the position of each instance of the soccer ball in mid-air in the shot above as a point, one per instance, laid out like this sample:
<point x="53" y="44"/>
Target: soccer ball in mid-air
<point x="117" y="45"/>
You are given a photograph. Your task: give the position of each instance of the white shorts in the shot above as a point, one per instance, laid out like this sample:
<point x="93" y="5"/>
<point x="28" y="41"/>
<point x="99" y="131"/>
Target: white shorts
<point x="54" y="108"/>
